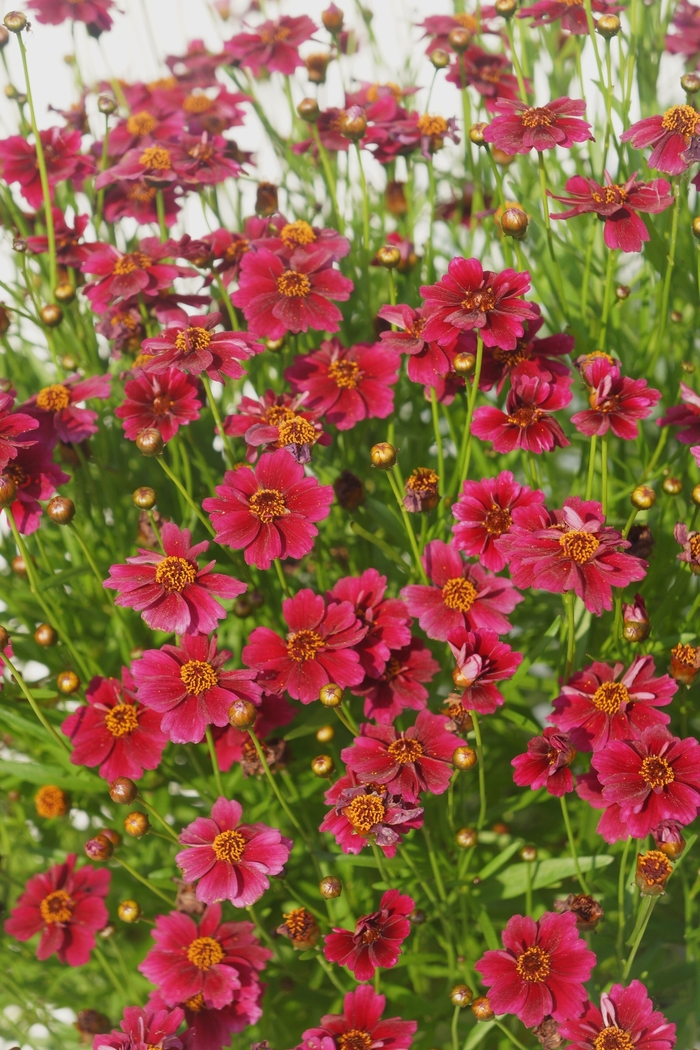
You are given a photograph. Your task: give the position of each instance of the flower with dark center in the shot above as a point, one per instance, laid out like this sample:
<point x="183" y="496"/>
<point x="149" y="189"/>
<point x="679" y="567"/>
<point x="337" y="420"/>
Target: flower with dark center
<point x="626" y="1020"/>
<point x="519" y="128"/>
<point x="376" y="940"/>
<point x="546" y="763"/>
<point x="360" y="1026"/>
<point x="484" y="512"/>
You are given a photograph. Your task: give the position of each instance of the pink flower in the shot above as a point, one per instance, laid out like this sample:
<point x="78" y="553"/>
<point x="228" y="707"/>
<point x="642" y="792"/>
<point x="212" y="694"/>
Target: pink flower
<point x="195" y="348"/>
<point x="686" y="416"/>
<point x="376" y="940"/>
<point x="406" y="763"/>
<point x="618" y="205"/>
<point x="569" y="549"/>
<point x="616" y="401"/>
<point x="489" y="73"/>
<point x="144" y="1030"/>
<point x="670" y="135"/>
<point x="483" y="660"/>
<point x="95" y="13"/>
<point x="483" y="513"/>
<point x="278" y="295"/>
<point x="276" y="421"/>
<point x="361" y="1019"/>
<point x="520" y="128"/>
<point x="527" y="421"/>
<point x="67" y="907"/>
<point x="15" y="430"/>
<point x="345" y="385"/>
<point x="229" y="860"/>
<point x="154" y="166"/>
<point x="465" y="595"/>
<point x="546" y="763"/>
<point x="530" y="356"/>
<point x="69" y="250"/>
<point x="686" y="19"/>
<point x="170" y="590"/>
<point x="284" y="238"/>
<point x="187" y="686"/>
<point x="35" y="476"/>
<point x="58" y="405"/>
<point x="319" y="648"/>
<point x="366" y="814"/>
<point x="135" y="199"/>
<point x="142" y="129"/>
<point x="610" y="826"/>
<point x="163" y="402"/>
<point x="269" y="512"/>
<point x="541" y="970"/>
<point x="572" y="14"/>
<point x="114" y="731"/>
<point x="206" y="159"/>
<point x="627" y="1011"/>
<point x="600" y="703"/>
<point x="387" y="619"/>
<point x="427" y="362"/>
<point x="209" y="1029"/>
<point x="273" y="45"/>
<point x="64" y="161"/>
<point x="126" y="275"/>
<point x="231" y="743"/>
<point x="399" y="685"/>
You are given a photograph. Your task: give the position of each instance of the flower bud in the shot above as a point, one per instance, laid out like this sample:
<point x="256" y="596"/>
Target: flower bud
<point x="4" y="38"/>
<point x="106" y="931"/>
<point x="15" y="21"/>
<point x="61" y="510"/>
<point x="144" y="498"/>
<point x="506" y="8"/>
<point x="608" y="26"/>
<point x="92" y="1022"/>
<point x="68" y="682"/>
<point x="45" y="635"/>
<point x="123" y="790"/>
<point x="107" y="104"/>
<point x="695" y="495"/>
<point x="461" y="995"/>
<point x="51" y="315"/>
<point x="19" y="566"/>
<point x="514" y="223"/>
<point x="696" y="227"/>
<point x="273" y="345"/>
<point x="301" y="928"/>
<point x="349" y="491"/>
<point x="587" y="910"/>
<point x="528" y="854"/>
<point x="332" y="19"/>
<point x="150" y="442"/>
<point x="464" y="363"/>
<point x="129" y="911"/>
<point x="459" y="39"/>
<point x="266" y="202"/>
<point x="669" y="839"/>
<point x="330" y="887"/>
<point x="242" y="608"/>
<point x="623" y="291"/>
<point x="308" y="110"/>
<point x="418" y="917"/>
<point x="113" y="836"/>
<point x="643" y="497"/>
<point x="388" y="257"/>
<point x="352" y="123"/>
<point x="653" y="871"/>
<point x="481" y="1008"/>
<point x="51" y="801"/>
<point x="98" y="848"/>
<point x="322" y="766"/>
<point x="439" y="58"/>
<point x="324" y="734"/>
<point x="242" y="714"/>
<point x="690" y="82"/>
<point x="136" y="824"/>
<point x="4" y="637"/>
<point x="64" y="292"/>
<point x="8" y="491"/>
<point x="69" y="363"/>
<point x="672" y="486"/>
<point x="395" y="197"/>
<point x="476" y="134"/>
<point x="499" y="828"/>
<point x="467" y="838"/>
<point x="464" y="757"/>
<point x="635" y="618"/>
<point x="331" y="695"/>
<point x="316" y="66"/>
<point x="548" y="1034"/>
<point x="503" y="159"/>
<point x="383" y="455"/>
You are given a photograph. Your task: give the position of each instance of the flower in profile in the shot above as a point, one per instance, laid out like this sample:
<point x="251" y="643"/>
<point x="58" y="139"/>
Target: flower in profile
<point x="387" y="619"/>
<point x="66" y="907"/>
<point x="488" y="72"/>
<point x="422" y="493"/>
<point x="686" y="20"/>
<point x="144" y="1030"/>
<point x="399" y="685"/>
<point x="484" y="512"/>
<point x="482" y="660"/>
<point x="163" y="402"/>
<point x="684" y="665"/>
<point x="15" y="430"/>
<point x="273" y="45"/>
<point x="587" y="910"/>
<point x="360" y="1025"/>
<point x="669" y="133"/>
<point x="277" y="421"/>
<point x="617" y="204"/>
<point x="319" y="648"/>
<point x="206" y="159"/>
<point x="94" y="13"/>
<point x="300" y="927"/>
<point x="626" y="1018"/>
<point x="229" y="860"/>
<point x="170" y="590"/>
<point x="601" y="703"/>
<point x="113" y="730"/>
<point x="616" y="401"/>
<point x="541" y="971"/>
<point x="59" y="402"/>
<point x="546" y="763"/>
<point x="635" y="620"/>
<point x="686" y="416"/>
<point x="195" y="348"/>
<point x="366" y="814"/>
<point x="572" y="14"/>
<point x="463" y="595"/>
<point x="64" y="161"/>
<point x="376" y="940"/>
<point x="35" y="476"/>
<point x="69" y="249"/>
<point x="188" y="687"/>
<point x="437" y="29"/>
<point x="126" y="275"/>
<point x="518" y="128"/>
<point x="527" y="421"/>
<point x="653" y="872"/>
<point x="154" y="166"/>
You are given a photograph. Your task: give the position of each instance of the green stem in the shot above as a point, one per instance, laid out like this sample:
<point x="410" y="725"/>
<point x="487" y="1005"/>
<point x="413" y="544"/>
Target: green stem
<point x="329" y="177"/>
<point x="154" y="813"/>
<point x="481" y="770"/>
<point x="440" y="450"/>
<point x="528" y="889"/>
<point x="111" y="975"/>
<point x="227" y="302"/>
<point x="569" y="601"/>
<point x="365" y="211"/>
<point x="218" y="420"/>
<point x="282" y="578"/>
<point x="516" y="61"/>
<point x="591" y="467"/>
<point x="103" y="165"/>
<point x="455" y="1027"/>
<point x="35" y="707"/>
<point x="636" y="939"/>
<point x="144" y="881"/>
<point x="607" y="298"/>
<point x="660" y="327"/>
<point x="347" y="720"/>
<point x="185" y="494"/>
<point x="273" y="784"/>
<point x="434" y="864"/>
<point x="604" y="473"/>
<point x="621" y="899"/>
<point x="506" y="1032"/>
<point x="214" y="761"/>
<point x="572" y="844"/>
<point x="465" y="451"/>
<point x="407" y="525"/>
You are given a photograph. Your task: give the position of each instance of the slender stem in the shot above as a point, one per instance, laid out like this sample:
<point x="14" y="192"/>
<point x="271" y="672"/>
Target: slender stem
<point x="509" y="1034"/>
<point x="482" y="771"/>
<point x="154" y="813"/>
<point x="438" y="442"/>
<point x="621" y="899"/>
<point x="660" y="328"/>
<point x="572" y="844"/>
<point x="465" y="451"/>
<point x="516" y="61"/>
<point x="329" y="178"/>
<point x="604" y="472"/>
<point x="569" y="600"/>
<point x="347" y="720"/>
<point x="103" y="165"/>
<point x="144" y="881"/>
<point x="591" y="467"/>
<point x="34" y="706"/>
<point x="282" y="578"/>
<point x="607" y="298"/>
<point x="636" y="939"/>
<point x="218" y="420"/>
<point x="434" y="864"/>
<point x="214" y="761"/>
<point x="111" y="975"/>
<point x="226" y="298"/>
<point x="407" y="525"/>
<point x="273" y="784"/>
<point x="455" y="1027"/>
<point x="185" y="494"/>
<point x="365" y="209"/>
<point x="548" y="227"/>
<point x="429" y="244"/>
<point x="160" y="208"/>
<point x="528" y="889"/>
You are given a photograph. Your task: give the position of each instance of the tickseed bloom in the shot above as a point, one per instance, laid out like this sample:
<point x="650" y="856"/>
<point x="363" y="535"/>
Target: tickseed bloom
<point x="399" y="685"/>
<point x="188" y="687"/>
<point x="482" y="660"/>
<point x="58" y="404"/>
<point x="571" y="12"/>
<point x="162" y="402"/>
<point x="144" y="1029"/>
<point x="70" y="249"/>
<point x="669" y="133"/>
<point x="196" y="348"/>
<point x="287" y="237"/>
<point x="113" y="730"/>
<point x="541" y="971"/>
<point x="527" y="421"/>
<point x="686" y="416"/>
<point x="51" y="801"/>
<point x="376" y="940"/>
<point x="277" y="421"/>
<point x="273" y="45"/>
<point x="546" y="763"/>
<point x="15" y="430"/>
<point x="532" y="355"/>
<point x="229" y="860"/>
<point x="94" y="13"/>
<point x="489" y="73"/>
<point x="61" y="146"/>
<point x="684" y="665"/>
<point x="122" y="275"/>
<point x="616" y="401"/>
<point x="360" y="1026"/>
<point x="617" y="204"/>
<point x="484" y="512"/>
<point x="626" y="1020"/>
<point x="36" y="477"/>
<point x="269" y="512"/>
<point x="66" y="907"/>
<point x="427" y="362"/>
<point x="152" y="165"/>
<point x="518" y="128"/>
<point x="170" y="590"/>
<point x="364" y="814"/>
<point x="690" y="542"/>
<point x="387" y="619"/>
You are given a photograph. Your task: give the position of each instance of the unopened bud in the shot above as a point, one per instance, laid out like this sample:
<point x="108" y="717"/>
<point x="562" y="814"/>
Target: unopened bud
<point x="506" y="8"/>
<point x="129" y="911"/>
<point x="308" y="110"/>
<point x="672" y="486"/>
<point x="695" y="495"/>
<point x="352" y="123"/>
<point x="418" y="917"/>
<point x="461" y="995"/>
<point x="51" y="315"/>
<point x="388" y="256"/>
<point x="266" y="201"/>
<point x="467" y="838"/>
<point x="622" y="291"/>
<point x="481" y="1008"/>
<point x="383" y="455"/>
<point x="144" y="498"/>
<point x="150" y="442"/>
<point x="8" y="491"/>
<point x="242" y="714"/>
<point x="690" y="82"/>
<point x="514" y="223"/>
<point x="99" y="848"/>
<point x="45" y="635"/>
<point x="107" y="104"/>
<point x="123" y="790"/>
<point x="61" y="510"/>
<point x="330" y="887"/>
<point x="459" y="39"/>
<point x="136" y="824"/>
<point x="696" y="227"/>
<point x="332" y="19"/>
<point x="439" y="58"/>
<point x="528" y="854"/>
<point x="68" y="682"/>
<point x="324" y="734"/>
<point x="322" y="766"/>
<point x="331" y="695"/>
<point x="19" y="565"/>
<point x="15" y="21"/>
<point x="476" y="134"/>
<point x="643" y="497"/>
<point x="608" y="26"/>
<point x="464" y="757"/>
<point x="19" y="245"/>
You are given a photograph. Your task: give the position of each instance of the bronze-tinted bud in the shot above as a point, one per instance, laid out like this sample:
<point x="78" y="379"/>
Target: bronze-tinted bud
<point x="418" y="917"/>
<point x="587" y="910"/>
<point x="15" y="21"/>
<point x="144" y="498"/>
<point x="64" y="292"/>
<point x="695" y="495"/>
<point x="98" y="848"/>
<point x="92" y="1022"/>
<point x="481" y="1008"/>
<point x="696" y="227"/>
<point x="672" y="486"/>
<point x="8" y="491"/>
<point x="113" y="836"/>
<point x="317" y="65"/>
<point x="45" y="635"/>
<point x="51" y="315"/>
<point x="61" y="510"/>
<point x="643" y="497"/>
<point x="514" y="223"/>
<point x="476" y="134"/>
<point x="324" y="734"/>
<point x="352" y="123"/>
<point x="331" y="695"/>
<point x="136" y="824"/>
<point x="395" y="197"/>
<point x="129" y="911"/>
<point x="464" y="757"/>
<point x="68" y="682"/>
<point x="464" y="363"/>
<point x="528" y="854"/>
<point x="439" y="58"/>
<point x="123" y="790"/>
<point x="503" y="159"/>
<point x="383" y="455"/>
<point x="107" y="104"/>
<point x="19" y="566"/>
<point x="330" y="887"/>
<point x="4" y="637"/>
<point x="673" y="850"/>
<point x="608" y="26"/>
<point x="322" y="766"/>
<point x="332" y="19"/>
<point x="653" y="871"/>
<point x="467" y="838"/>
<point x="242" y="608"/>
<point x="308" y="110"/>
<point x="150" y="442"/>
<point x="461" y="995"/>
<point x="4" y="38"/>
<point x="388" y="257"/>
<point x="506" y="8"/>
<point x="242" y="714"/>
<point x="623" y="291"/>
<point x="266" y="202"/>
<point x="690" y="82"/>
<point x="459" y="39"/>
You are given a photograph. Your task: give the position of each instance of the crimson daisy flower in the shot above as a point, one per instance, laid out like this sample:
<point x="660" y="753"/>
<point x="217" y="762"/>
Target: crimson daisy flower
<point x="273" y="45"/>
<point x="69" y="249"/>
<point x="569" y="549"/>
<point x="611" y="826"/>
<point x="546" y="763"/>
<point x="142" y="129"/>
<point x="686" y="416"/>
<point x="482" y="660"/>
<point x="170" y="590"/>
<point x="618" y="205"/>
<point x="572" y="14"/>
<point x="532" y="355"/>
<point x="541" y="970"/>
<point x="63" y="159"/>
<point x="489" y="73"/>
<point x="601" y="703"/>
<point x="438" y="28"/>
<point x="277" y="421"/>
<point x="427" y="362"/>
<point x="135" y="199"/>
<point x="187" y="686"/>
<point x="229" y="860"/>
<point x="206" y="160"/>
<point x="376" y="940"/>
<point x="626" y="1017"/>
<point x="114" y="731"/>
<point x="361" y="1025"/>
<point x="519" y="128"/>
<point x="284" y="238"/>
<point x="387" y="619"/>
<point x="35" y="476"/>
<point x="58" y="405"/>
<point x="212" y="1029"/>
<point x="67" y="907"/>
<point x="195" y="348"/>
<point x="213" y="115"/>
<point x="149" y="1029"/>
<point x="125" y="275"/>
<point x="527" y="421"/>
<point x="319" y="648"/>
<point x="616" y="401"/>
<point x="465" y="595"/>
<point x="669" y="133"/>
<point x="406" y="763"/>
<point x="366" y="814"/>
<point x="163" y="402"/>
<point x="280" y="295"/>
<point x="653" y="778"/>
<point x="269" y="511"/>
<point x="15" y="430"/>
<point x="483" y="513"/>
<point x="399" y="685"/>
<point x="346" y="384"/>
<point x="686" y="19"/>
<point x="95" y="13"/>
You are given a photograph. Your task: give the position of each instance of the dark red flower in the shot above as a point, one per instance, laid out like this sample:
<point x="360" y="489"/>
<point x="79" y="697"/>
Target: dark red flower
<point x="69" y="249"/>
<point x="686" y="20"/>
<point x="328" y="126"/>
<point x="572" y="13"/>
<point x="142" y="129"/>
<point x="195" y="348"/>
<point x="135" y="199"/>
<point x="95" y="13"/>
<point x="376" y="940"/>
<point x="626" y="1016"/>
<point x="63" y="159"/>
<point x="273" y="45"/>
<point x="616" y="401"/>
<point x="163" y="402"/>
<point x="360" y="1025"/>
<point x="206" y="159"/>
<point x="617" y="204"/>
<point x="482" y="660"/>
<point x="527" y="421"/>
<point x="152" y="165"/>
<point x="426" y="361"/>
<point x="366" y="814"/>
<point x="488" y="72"/>
<point x="15" y="430"/>
<point x="438" y="28"/>
<point x="669" y="133"/>
<point x="483" y="513"/>
<point x="610" y="826"/>
<point x="209" y="1029"/>
<point x="399" y="685"/>
<point x="531" y="356"/>
<point x="284" y="238"/>
<point x="546" y="763"/>
<point x="520" y="128"/>
<point x="58" y="404"/>
<point x="213" y="114"/>
<point x="141" y="1029"/>
<point x="276" y="421"/>
<point x="35" y="476"/>
<point x="126" y="275"/>
<point x="686" y="416"/>
<point x="387" y="619"/>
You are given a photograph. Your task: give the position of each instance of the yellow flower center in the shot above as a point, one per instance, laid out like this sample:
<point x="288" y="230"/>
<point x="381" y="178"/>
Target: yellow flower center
<point x="297" y="233"/>
<point x="480" y="301"/>
<point x="404" y="751"/>
<point x="497" y="521"/>
<point x="610" y="696"/>
<point x="657" y="772"/>
<point x="198" y="676"/>
<point x="578" y="545"/>
<point x="205" y="952"/>
<point x="354" y="1039"/>
<point x="51" y="801"/>
<point x="191" y="339"/>
<point x="197" y="104"/>
<point x="432" y="125"/>
<point x="296" y="431"/>
<point x="364" y="812"/>
<point x="694" y="543"/>
<point x="533" y="965"/>
<point x="267" y="504"/>
<point x="293" y="285"/>
<point x="122" y="720"/>
<point x="537" y="117"/>
<point x="298" y="922"/>
<point x="345" y="374"/>
<point x="56" y="907"/>
<point x="53" y="398"/>
<point x="613" y="1038"/>
<point x="525" y="416"/>
<point x="229" y="846"/>
<point x="422" y="479"/>
<point x="141" y="123"/>
<point x="274" y="34"/>
<point x="161" y="405"/>
<point x="459" y="594"/>
<point x="682" y="654"/>
<point x="130" y="262"/>
<point x="196" y="1003"/>
<point x="155" y="158"/>
<point x="174" y="574"/>
<point x="303" y="645"/>
<point x="681" y="119"/>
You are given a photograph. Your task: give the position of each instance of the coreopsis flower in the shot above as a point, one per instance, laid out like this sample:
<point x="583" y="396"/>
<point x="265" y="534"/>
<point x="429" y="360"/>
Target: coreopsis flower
<point x="284" y="238"/>
<point x="426" y="361"/>
<point x="519" y="128"/>
<point x="483" y="513"/>
<point x="141" y="1029"/>
<point x="686" y="416"/>
<point x="470" y="298"/>
<point x="58" y="404"/>
<point x="143" y="129"/>
<point x="530" y="353"/>
<point x="206" y="160"/>
<point x="64" y="161"/>
<point x="482" y="660"/>
<point x="300" y="927"/>
<point x="66" y="907"/>
<point x="114" y="731"/>
<point x="123" y="275"/>
<point x="36" y="477"/>
<point x="360" y="1025"/>
<point x="328" y="126"/>
<point x="366" y="814"/>
<point x="635" y="620"/>
<point x="154" y="166"/>
<point x="690" y="542"/>
<point x="170" y="590"/>
<point x="69" y="249"/>
<point x="569" y="549"/>
<point x="616" y="401"/>
<point x="527" y="421"/>
<point x="94" y="13"/>
<point x="213" y="115"/>
<point x="546" y="763"/>
<point x="269" y="511"/>
<point x="541" y="971"/>
<point x="587" y="910"/>
<point x="277" y="421"/>
<point x="163" y="402"/>
<point x="229" y="860"/>
<point x="422" y="492"/>
<point x="376" y="940"/>
<point x="626" y="1017"/>
<point x="437" y="29"/>
<point x="488" y="72"/>
<point x="572" y="14"/>
<point x="611" y="826"/>
<point x="280" y="295"/>
<point x="399" y="685"/>
<point x="319" y="648"/>
<point x="346" y="384"/>
<point x="669" y="133"/>
<point x="387" y="619"/>
<point x="50" y="801"/>
<point x="686" y="20"/>
<point x="15" y="430"/>
<point x="406" y="763"/>
<point x="601" y="703"/>
<point x="187" y="685"/>
<point x="617" y="204"/>
<point x="653" y="778"/>
<point x="195" y="348"/>
<point x="210" y="1029"/>
<point x="273" y="45"/>
<point x="463" y="595"/>
<point x="135" y="199"/>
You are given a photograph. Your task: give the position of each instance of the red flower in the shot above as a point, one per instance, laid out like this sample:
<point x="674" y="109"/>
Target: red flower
<point x="212" y="1029"/>
<point x="654" y="778"/>
<point x="600" y="704"/>
<point x="284" y="238"/>
<point x="273" y="45"/>
<point x="616" y="401"/>
<point x="195" y="348"/>
<point x="387" y="619"/>
<point x="520" y="128"/>
<point x="290" y="295"/>
<point x="427" y="362"/>
<point x="57" y="405"/>
<point x="126" y="275"/>
<point x="69" y="250"/>
<point x="66" y="907"/>
<point x="531" y="356"/>
<point x="345" y="385"/>
<point x="483" y="513"/>
<point x="269" y="512"/>
<point x="546" y="763"/>
<point x="114" y="731"/>
<point x="483" y="660"/>
<point x="187" y="686"/>
<point x="144" y="1030"/>
<point x="610" y="826"/>
<point x="488" y="73"/>
<point x="163" y="402"/>
<point x="398" y="686"/>
<point x="617" y="204"/>
<point x="35" y="476"/>
<point x="229" y="860"/>
<point x="686" y="416"/>
<point x="669" y="134"/>
<point x="143" y="129"/>
<point x="154" y="166"/>
<point x="213" y="115"/>
<point x="274" y="711"/>
<point x="465" y="596"/>
<point x="541" y="970"/>
<point x="170" y="590"/>
<point x="366" y="814"/>
<point x="319" y="648"/>
<point x="95" y="13"/>
<point x="468" y="297"/>
<point x="62" y="156"/>
<point x="686" y="19"/>
<point x="360" y="1025"/>
<point x="206" y="160"/>
<point x="15" y="430"/>
<point x="569" y="549"/>
<point x="527" y="421"/>
<point x="439" y="27"/>
<point x="376" y="940"/>
<point x="276" y="421"/>
<point x="406" y="763"/>
<point x="625" y="1015"/>
<point x="572" y="14"/>
<point x="135" y="199"/>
